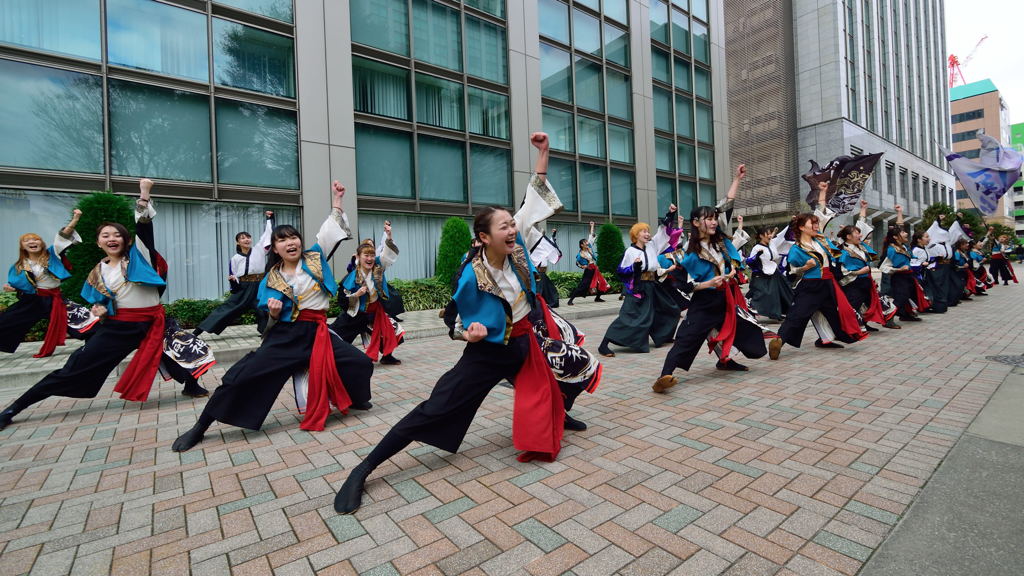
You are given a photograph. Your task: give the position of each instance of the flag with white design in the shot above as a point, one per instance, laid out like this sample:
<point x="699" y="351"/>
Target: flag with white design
<point x="988" y="178"/>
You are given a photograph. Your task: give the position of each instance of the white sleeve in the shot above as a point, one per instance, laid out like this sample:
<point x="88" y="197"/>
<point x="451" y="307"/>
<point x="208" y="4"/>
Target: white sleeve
<point x="258" y="255"/>
<point x="387" y="251"/>
<point x="540" y="203"/>
<point x="740" y="239"/>
<point x="61" y="243"/>
<point x="779" y="242"/>
<point x="824" y="216"/>
<point x="660" y="240"/>
<point x="145" y="214"/>
<point x="864" y="228"/>
<point x="333" y="231"/>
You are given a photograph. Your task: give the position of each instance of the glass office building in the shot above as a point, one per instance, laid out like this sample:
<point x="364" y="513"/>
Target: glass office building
<point x="423" y="108"/>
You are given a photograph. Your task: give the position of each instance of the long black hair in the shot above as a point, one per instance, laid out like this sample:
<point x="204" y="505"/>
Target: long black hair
<point x="701" y="213"/>
<point x="281" y="232"/>
<point x="893" y="237"/>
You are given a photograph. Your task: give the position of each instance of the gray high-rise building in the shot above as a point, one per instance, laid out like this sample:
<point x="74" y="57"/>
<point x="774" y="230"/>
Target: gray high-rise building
<point x="816" y="79"/>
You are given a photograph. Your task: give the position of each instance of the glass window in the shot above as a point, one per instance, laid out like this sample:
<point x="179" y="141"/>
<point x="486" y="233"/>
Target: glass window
<point x="158" y="37"/>
<point x="490" y="171"/>
<point x="683" y="79"/>
<point x="705" y="124"/>
<point x="560" y="129"/>
<point x="616" y="45"/>
<point x="486" y="54"/>
<point x="488" y="113"/>
<point x="662" y="109"/>
<point x="382" y="24"/>
<point x="276" y="9"/>
<point x="623" y="193"/>
<point x="244" y="57"/>
<point x="680" y="32"/>
<point x="687" y="197"/>
<point x="659" y="21"/>
<point x="706" y="163"/>
<point x="666" y="193"/>
<point x="383" y="162"/>
<point x="700" y="9"/>
<point x="708" y="197"/>
<point x="442" y="169"/>
<point x="593" y="189"/>
<point x="593" y="4"/>
<point x="664" y="154"/>
<point x="50" y="119"/>
<point x="686" y="161"/>
<point x="589" y="85"/>
<point x="555" y="73"/>
<point x="438" y="102"/>
<point x="684" y="116"/>
<point x="702" y="80"/>
<point x="562" y="174"/>
<point x="659" y="66"/>
<point x="256" y="145"/>
<point x="617" y="9"/>
<point x="69" y="27"/>
<point x="554" y="20"/>
<point x="701" y="43"/>
<point x="495" y="7"/>
<point x="620" y="99"/>
<point x="380" y="89"/>
<point x="586" y="33"/>
<point x="591" y="137"/>
<point x="620" y="143"/>
<point x="159" y="133"/>
<point x="436" y="34"/>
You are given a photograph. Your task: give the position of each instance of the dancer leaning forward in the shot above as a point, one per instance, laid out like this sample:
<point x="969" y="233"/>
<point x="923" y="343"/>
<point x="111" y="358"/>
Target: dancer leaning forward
<point x="497" y="300"/>
<point x="296" y="294"/>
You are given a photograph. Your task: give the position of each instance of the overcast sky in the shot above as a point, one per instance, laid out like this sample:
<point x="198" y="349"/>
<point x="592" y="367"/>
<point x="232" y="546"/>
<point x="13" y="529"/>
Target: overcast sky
<point x="1001" y="57"/>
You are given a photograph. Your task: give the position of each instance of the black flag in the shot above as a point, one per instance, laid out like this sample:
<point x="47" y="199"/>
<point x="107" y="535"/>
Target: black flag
<point x="846" y="176"/>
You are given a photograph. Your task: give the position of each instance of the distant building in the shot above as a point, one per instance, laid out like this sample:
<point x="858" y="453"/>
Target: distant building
<point x="974" y="107"/>
<point x="813" y="80"/>
<point x="1017" y="141"/>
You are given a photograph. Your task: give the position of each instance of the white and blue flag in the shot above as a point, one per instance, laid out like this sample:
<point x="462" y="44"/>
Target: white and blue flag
<point x="989" y="177"/>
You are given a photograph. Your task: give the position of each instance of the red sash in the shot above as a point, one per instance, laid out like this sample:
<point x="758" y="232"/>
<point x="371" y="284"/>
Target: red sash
<point x="538" y="415"/>
<point x="325" y="387"/>
<point x="972" y="282"/>
<point x="58" y="328"/>
<point x="874" y="312"/>
<point x="597" y="282"/>
<point x="847" y="317"/>
<point x="136" y="381"/>
<point x="727" y="331"/>
<point x="383" y="339"/>
<point x="922" y="300"/>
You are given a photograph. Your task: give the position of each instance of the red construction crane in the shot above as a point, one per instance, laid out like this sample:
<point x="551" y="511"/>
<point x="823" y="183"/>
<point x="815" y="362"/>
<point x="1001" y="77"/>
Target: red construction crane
<point x="955" y="64"/>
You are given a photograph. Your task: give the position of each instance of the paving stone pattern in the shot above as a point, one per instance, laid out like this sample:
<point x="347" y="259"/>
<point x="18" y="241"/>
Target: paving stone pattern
<point x="799" y="467"/>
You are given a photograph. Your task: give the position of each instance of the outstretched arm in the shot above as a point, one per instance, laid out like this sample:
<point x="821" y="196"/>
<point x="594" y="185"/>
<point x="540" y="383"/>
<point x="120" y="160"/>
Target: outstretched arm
<point x="540" y="141"/>
<point x="899" y="215"/>
<point x="335" y="228"/>
<point x="67" y="236"/>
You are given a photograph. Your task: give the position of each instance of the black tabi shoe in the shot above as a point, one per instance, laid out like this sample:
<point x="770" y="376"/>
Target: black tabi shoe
<point x="605" y="351"/>
<point x="731" y="365"/>
<point x="7" y="416"/>
<point x="820" y="344"/>
<point x="350" y="497"/>
<point x="910" y="318"/>
<point x="189" y="439"/>
<point x="892" y="325"/>
<point x="574" y="424"/>
<point x="361" y="406"/>
<point x="598" y="299"/>
<point x="870" y="328"/>
<point x="194" y="390"/>
<point x="570" y="302"/>
<point x="390" y="360"/>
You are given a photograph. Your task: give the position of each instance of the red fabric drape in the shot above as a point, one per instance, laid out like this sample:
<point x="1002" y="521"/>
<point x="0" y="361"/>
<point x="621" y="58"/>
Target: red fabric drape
<point x="383" y="339"/>
<point x="847" y="317"/>
<point x="972" y="282"/>
<point x="538" y="415"/>
<point x="922" y="301"/>
<point x="727" y="331"/>
<point x="58" y="327"/>
<point x="136" y="381"/>
<point x="597" y="282"/>
<point x="325" y="387"/>
<point x="874" y="312"/>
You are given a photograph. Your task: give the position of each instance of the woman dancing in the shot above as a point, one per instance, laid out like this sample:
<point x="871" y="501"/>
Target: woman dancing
<point x="593" y="281"/>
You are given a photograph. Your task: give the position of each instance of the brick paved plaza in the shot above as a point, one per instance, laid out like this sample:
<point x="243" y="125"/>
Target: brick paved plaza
<point x="801" y="466"/>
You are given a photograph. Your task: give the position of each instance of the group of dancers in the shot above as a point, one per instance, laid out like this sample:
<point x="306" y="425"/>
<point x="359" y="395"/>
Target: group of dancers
<point x="499" y="308"/>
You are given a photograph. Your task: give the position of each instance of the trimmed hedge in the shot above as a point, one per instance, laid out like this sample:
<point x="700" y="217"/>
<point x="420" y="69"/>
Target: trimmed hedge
<point x="455" y="241"/>
<point x="567" y="281"/>
<point x="610" y="249"/>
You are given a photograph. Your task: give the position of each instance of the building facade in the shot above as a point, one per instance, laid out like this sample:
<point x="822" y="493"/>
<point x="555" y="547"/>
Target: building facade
<point x="838" y="77"/>
<point x="1017" y="142"/>
<point x="974" y="107"/>
<point x="423" y="108"/>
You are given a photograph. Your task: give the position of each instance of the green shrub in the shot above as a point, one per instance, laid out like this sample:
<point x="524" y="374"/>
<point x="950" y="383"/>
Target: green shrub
<point x="609" y="250"/>
<point x="566" y="282"/>
<point x="424" y="294"/>
<point x="96" y="208"/>
<point x="455" y="241"/>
